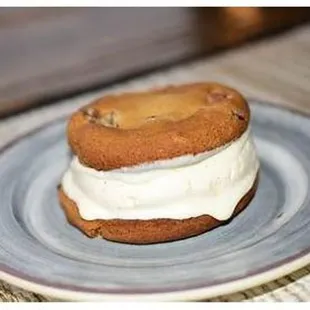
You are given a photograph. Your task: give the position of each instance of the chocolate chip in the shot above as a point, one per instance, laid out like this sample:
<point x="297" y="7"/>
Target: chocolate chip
<point x="151" y="118"/>
<point x="90" y="114"/>
<point x="239" y="114"/>
<point x="108" y="120"/>
<point x="93" y="116"/>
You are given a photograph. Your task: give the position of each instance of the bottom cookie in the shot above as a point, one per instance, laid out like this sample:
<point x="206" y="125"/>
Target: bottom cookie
<point x="146" y="231"/>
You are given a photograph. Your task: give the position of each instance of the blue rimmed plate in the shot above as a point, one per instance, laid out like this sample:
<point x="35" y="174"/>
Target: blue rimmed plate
<point x="40" y="251"/>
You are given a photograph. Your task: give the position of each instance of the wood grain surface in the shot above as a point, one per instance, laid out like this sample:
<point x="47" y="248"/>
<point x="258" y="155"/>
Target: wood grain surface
<point x="49" y="53"/>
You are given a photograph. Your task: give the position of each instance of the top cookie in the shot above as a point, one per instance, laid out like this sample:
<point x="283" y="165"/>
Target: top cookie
<point x="133" y="128"/>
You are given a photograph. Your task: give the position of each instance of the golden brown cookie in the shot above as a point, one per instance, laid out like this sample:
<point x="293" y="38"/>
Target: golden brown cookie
<point x="134" y="128"/>
<point x="146" y="231"/>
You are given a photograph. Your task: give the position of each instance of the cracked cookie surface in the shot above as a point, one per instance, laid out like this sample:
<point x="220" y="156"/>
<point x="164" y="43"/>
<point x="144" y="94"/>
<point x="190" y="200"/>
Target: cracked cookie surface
<point x="132" y="128"/>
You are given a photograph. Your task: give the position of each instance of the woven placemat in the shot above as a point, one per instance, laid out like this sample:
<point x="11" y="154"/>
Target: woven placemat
<point x="277" y="70"/>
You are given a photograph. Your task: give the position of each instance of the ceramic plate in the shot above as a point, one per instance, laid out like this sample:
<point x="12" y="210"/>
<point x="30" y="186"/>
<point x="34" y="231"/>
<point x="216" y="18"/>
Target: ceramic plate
<point x="40" y="251"/>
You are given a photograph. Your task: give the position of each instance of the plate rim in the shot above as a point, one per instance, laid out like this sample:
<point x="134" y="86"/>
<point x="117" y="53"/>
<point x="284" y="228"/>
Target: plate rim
<point x="277" y="270"/>
<point x="201" y="293"/>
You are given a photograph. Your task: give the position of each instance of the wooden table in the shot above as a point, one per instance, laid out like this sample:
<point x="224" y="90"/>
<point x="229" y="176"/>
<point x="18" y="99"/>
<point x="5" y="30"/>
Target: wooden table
<point x="52" y="53"/>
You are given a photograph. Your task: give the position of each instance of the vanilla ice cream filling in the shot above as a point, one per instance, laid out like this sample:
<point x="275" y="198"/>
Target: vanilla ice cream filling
<point x="210" y="183"/>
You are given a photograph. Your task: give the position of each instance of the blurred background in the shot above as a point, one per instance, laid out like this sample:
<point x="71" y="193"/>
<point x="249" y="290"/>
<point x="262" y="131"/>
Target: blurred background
<point x="48" y="54"/>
